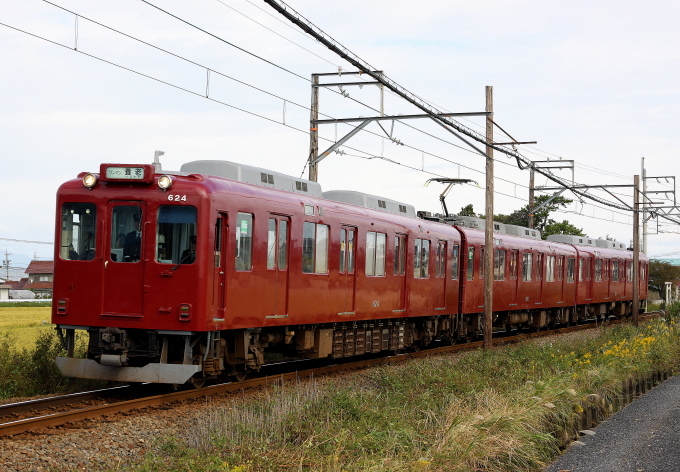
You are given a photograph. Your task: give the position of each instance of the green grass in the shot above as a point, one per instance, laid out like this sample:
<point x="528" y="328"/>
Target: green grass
<point x="506" y="409"/>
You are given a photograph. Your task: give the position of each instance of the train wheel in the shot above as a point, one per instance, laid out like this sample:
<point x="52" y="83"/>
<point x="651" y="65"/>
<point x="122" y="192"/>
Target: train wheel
<point x="240" y="373"/>
<point x="197" y="381"/>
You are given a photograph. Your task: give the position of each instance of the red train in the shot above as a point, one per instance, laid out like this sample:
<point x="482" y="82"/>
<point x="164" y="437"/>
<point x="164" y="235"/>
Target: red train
<point x="184" y="276"/>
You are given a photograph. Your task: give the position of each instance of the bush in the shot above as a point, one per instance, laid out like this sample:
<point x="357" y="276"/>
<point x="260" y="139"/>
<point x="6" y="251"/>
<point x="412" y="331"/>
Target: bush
<point x="30" y="372"/>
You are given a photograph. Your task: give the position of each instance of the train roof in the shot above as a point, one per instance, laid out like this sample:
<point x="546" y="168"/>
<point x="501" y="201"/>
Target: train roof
<point x="586" y="241"/>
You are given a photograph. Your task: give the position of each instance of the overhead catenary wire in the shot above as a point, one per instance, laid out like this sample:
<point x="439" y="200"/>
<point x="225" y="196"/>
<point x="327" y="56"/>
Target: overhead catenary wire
<point x="248" y="85"/>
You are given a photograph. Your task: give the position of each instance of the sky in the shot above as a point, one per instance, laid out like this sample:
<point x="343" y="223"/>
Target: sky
<point x="592" y="82"/>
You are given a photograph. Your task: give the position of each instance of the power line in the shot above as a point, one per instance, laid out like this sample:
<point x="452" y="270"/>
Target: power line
<point x="25" y="241"/>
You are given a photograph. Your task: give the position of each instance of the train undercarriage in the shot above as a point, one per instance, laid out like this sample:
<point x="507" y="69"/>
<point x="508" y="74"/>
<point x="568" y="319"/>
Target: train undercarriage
<point x="178" y="357"/>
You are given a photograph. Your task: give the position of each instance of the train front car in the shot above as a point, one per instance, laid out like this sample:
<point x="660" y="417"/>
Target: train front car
<point x="130" y="245"/>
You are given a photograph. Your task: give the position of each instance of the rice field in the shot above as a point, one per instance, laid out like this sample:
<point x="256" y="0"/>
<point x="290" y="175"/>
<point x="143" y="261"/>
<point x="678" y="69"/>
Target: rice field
<point x="24" y="324"/>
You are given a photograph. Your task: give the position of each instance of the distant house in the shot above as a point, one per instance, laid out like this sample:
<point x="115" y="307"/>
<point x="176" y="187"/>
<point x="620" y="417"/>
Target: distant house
<point x="17" y="284"/>
<point x="4" y="292"/>
<point x="40" y="278"/>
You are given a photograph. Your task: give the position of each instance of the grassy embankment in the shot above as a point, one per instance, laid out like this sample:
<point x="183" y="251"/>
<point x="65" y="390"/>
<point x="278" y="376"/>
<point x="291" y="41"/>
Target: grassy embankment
<point x="507" y="409"/>
<point x="28" y="346"/>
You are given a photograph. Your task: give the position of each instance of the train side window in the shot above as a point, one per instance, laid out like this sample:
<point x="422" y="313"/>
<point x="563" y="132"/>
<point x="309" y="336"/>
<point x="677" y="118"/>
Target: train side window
<point x="218" y="242"/>
<point x="440" y="260"/>
<point x="598" y="270"/>
<point x="283" y="244"/>
<point x="454" y="262"/>
<point x="399" y="254"/>
<point x="606" y="276"/>
<point x="539" y="266"/>
<point x="271" y="243"/>
<point x="78" y="231"/>
<point x="513" y="264"/>
<point x="559" y="269"/>
<point x="615" y="271"/>
<point x="482" y="263"/>
<point x="527" y="259"/>
<point x="343" y="251"/>
<point x="175" y="235"/>
<point x="580" y="270"/>
<point x="314" y="248"/>
<point x="499" y="264"/>
<point x="421" y="260"/>
<point x="350" y="251"/>
<point x="471" y="263"/>
<point x="629" y="270"/>
<point x="375" y="253"/>
<point x="587" y="268"/>
<point x="570" y="270"/>
<point x="550" y="269"/>
<point x="244" y="242"/>
<point x="416" y="258"/>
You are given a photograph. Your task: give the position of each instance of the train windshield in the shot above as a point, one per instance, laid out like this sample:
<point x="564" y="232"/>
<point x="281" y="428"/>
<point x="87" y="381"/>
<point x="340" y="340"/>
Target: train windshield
<point x="176" y="234"/>
<point x="78" y="231"/>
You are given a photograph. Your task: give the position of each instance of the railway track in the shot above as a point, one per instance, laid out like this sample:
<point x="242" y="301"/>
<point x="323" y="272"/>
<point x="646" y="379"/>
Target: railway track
<point x="87" y="405"/>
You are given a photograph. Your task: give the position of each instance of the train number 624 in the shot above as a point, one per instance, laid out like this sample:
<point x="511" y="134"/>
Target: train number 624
<point x="177" y="198"/>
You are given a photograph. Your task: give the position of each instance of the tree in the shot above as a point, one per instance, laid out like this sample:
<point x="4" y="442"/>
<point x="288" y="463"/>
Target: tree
<point x="542" y="220"/>
<point x="467" y="210"/>
<point x="553" y="227"/>
<point x="661" y="272"/>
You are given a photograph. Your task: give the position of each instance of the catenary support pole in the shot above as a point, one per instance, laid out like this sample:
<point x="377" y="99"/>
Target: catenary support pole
<point x="314" y="131"/>
<point x="488" y="233"/>
<point x="636" y="251"/>
<point x="531" y="198"/>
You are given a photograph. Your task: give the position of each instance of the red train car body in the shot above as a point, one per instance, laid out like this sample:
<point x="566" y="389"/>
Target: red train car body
<point x="186" y="276"/>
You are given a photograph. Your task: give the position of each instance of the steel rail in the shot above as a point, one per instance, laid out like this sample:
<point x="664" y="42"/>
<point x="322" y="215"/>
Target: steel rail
<point x="58" y="419"/>
<point x="61" y="400"/>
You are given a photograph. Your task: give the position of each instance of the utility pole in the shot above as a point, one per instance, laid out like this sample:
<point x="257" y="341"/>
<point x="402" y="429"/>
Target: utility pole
<point x="5" y="264"/>
<point x="314" y="130"/>
<point x="488" y="233"/>
<point x="636" y="250"/>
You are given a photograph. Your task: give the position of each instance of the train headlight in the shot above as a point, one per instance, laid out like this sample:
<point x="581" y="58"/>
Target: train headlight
<point x="90" y="180"/>
<point x="165" y="182"/>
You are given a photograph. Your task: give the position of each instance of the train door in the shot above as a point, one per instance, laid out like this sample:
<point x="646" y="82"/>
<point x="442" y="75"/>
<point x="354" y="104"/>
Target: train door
<point x="278" y="228"/>
<point x="440" y="275"/>
<point x="348" y="238"/>
<point x="220" y="270"/>
<point x="400" y="245"/>
<point x="539" y="277"/>
<point x="125" y="261"/>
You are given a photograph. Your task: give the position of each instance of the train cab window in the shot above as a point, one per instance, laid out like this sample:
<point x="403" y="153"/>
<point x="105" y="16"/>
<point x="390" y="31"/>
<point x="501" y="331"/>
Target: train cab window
<point x="550" y="268"/>
<point x="615" y="271"/>
<point x="126" y="233"/>
<point x="314" y="248"/>
<point x="454" y="262"/>
<point x="175" y="235"/>
<point x="399" y="254"/>
<point x="421" y="261"/>
<point x="244" y="241"/>
<point x="375" y="253"/>
<point x="78" y="231"/>
<point x="499" y="264"/>
<point x="527" y="266"/>
<point x="570" y="270"/>
<point x="471" y="263"/>
<point x="598" y="270"/>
